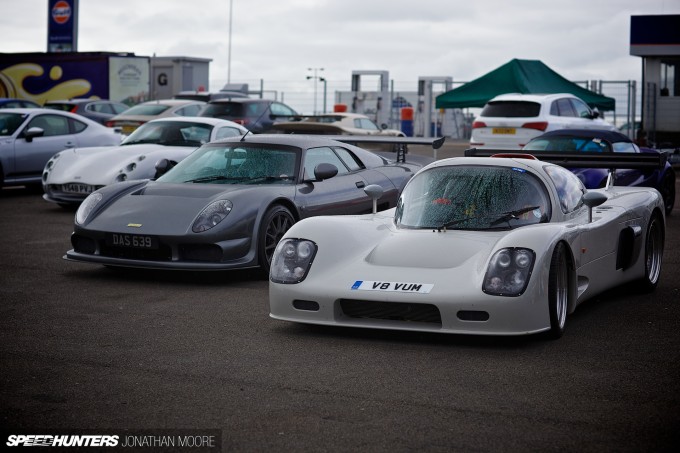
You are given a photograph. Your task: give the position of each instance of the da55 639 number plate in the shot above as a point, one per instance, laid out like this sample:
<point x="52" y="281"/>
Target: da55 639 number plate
<point x="136" y="241"/>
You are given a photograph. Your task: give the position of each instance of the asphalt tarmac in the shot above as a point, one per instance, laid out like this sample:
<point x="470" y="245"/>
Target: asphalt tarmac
<point x="83" y="347"/>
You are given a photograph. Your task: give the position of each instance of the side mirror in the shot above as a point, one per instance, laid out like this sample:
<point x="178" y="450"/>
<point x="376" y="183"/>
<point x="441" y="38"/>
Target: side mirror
<point x="592" y="200"/>
<point x="33" y="132"/>
<point x="374" y="191"/>
<point x="325" y="171"/>
<point x="162" y="167"/>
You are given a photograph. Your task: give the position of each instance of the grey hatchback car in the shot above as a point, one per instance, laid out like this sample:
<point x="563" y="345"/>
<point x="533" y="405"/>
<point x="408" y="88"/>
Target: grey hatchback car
<point x="29" y="137"/>
<point x="99" y="110"/>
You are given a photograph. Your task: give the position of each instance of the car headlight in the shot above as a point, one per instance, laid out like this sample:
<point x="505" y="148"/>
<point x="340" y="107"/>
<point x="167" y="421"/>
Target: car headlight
<point x="291" y="260"/>
<point x="87" y="206"/>
<point x="213" y="214"/>
<point x="53" y="160"/>
<point x="509" y="271"/>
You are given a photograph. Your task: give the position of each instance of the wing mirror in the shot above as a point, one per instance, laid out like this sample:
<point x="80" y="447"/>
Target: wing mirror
<point x="162" y="167"/>
<point x="593" y="199"/>
<point x="325" y="171"/>
<point x="33" y="132"/>
<point x="374" y="191"/>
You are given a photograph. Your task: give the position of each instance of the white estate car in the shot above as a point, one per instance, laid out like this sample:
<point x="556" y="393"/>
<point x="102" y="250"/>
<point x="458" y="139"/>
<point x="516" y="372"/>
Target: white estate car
<point x="509" y="121"/>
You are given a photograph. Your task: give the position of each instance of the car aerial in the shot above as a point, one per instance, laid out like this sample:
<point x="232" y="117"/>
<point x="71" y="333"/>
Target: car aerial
<point x="258" y="115"/>
<point x="14" y="103"/>
<point x="509" y="121"/>
<point x="71" y="175"/>
<point x="99" y="110"/>
<point x="593" y="140"/>
<point x="139" y="114"/>
<point x="228" y="203"/>
<point x="340" y="123"/>
<point x="30" y="137"/>
<point x="475" y="245"/>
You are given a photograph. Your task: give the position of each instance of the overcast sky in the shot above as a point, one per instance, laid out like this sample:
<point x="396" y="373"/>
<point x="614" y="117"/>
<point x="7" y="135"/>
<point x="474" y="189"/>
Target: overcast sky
<point x="278" y="40"/>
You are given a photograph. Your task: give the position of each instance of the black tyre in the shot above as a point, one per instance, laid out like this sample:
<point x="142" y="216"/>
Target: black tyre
<point x="276" y="221"/>
<point x="654" y="242"/>
<point x="558" y="291"/>
<point x="667" y="190"/>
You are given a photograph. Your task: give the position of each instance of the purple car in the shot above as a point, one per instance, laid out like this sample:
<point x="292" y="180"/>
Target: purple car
<point x="595" y="140"/>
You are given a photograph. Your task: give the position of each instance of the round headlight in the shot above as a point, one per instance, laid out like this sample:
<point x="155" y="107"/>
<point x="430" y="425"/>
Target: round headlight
<point x="504" y="259"/>
<point x="304" y="250"/>
<point x="131" y="167"/>
<point x="522" y="259"/>
<point x="288" y="250"/>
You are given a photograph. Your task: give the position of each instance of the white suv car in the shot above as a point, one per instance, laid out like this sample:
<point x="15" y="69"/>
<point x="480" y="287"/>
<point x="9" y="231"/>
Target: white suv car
<point x="509" y="121"/>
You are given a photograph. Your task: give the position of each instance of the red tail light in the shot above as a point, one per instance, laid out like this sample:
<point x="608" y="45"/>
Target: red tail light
<point x="478" y="124"/>
<point x="73" y="109"/>
<point x="110" y="124"/>
<point x="539" y="125"/>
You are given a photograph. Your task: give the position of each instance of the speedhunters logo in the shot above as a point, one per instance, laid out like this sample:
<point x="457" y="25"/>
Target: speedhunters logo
<point x="46" y="440"/>
<point x="161" y="440"/>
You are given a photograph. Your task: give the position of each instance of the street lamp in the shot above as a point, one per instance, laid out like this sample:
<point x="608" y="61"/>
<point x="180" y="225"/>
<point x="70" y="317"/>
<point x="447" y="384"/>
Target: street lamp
<point x="323" y="79"/>
<point x="316" y="78"/>
<point x="231" y="9"/>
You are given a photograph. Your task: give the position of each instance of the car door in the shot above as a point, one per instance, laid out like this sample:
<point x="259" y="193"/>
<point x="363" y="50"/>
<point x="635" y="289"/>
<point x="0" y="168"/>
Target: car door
<point x="584" y="116"/>
<point x="31" y="155"/>
<point x="341" y="194"/>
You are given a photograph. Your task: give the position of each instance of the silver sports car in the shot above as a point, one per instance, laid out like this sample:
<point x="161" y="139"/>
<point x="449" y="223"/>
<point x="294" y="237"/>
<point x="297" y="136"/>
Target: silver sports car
<point x="504" y="245"/>
<point x="227" y="205"/>
<point x="71" y="175"/>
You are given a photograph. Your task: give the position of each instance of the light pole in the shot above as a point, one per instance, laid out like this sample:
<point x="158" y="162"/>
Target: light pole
<point x="323" y="79"/>
<point x="316" y="78"/>
<point x="231" y="9"/>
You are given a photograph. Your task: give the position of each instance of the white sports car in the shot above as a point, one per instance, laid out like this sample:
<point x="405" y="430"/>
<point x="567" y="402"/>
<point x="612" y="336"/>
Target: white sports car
<point x="71" y="175"/>
<point x="476" y="245"/>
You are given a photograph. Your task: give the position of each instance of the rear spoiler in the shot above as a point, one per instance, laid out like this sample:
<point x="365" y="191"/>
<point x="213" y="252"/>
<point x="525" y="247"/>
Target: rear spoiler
<point x="400" y="143"/>
<point x="609" y="160"/>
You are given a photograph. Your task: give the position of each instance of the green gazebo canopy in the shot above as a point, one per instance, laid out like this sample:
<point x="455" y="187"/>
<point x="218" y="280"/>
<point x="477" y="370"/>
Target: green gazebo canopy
<point x="519" y="76"/>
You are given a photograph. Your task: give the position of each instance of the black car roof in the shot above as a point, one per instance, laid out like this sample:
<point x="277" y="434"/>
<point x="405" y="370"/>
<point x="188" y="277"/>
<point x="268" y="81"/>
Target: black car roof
<point x="240" y="100"/>
<point x="603" y="134"/>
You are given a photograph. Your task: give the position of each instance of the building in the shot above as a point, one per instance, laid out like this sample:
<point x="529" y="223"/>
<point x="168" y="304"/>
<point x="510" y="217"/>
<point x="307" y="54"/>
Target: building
<point x="657" y="40"/>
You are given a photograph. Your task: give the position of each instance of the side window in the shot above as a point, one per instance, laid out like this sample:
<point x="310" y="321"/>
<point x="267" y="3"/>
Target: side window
<point x="352" y="162"/>
<point x="189" y="110"/>
<point x="625" y="147"/>
<point x="564" y="108"/>
<point x="119" y="108"/>
<point x="100" y="107"/>
<point x="280" y="109"/>
<point x="569" y="188"/>
<point x="582" y="109"/>
<point x="368" y="125"/>
<point x="316" y="156"/>
<point x="77" y="126"/>
<point x="227" y="131"/>
<point x="51" y="124"/>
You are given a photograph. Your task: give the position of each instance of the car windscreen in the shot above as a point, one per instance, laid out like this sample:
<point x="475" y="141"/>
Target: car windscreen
<point x="147" y="109"/>
<point x="473" y="198"/>
<point x="230" y="163"/>
<point x="224" y="110"/>
<point x="60" y="106"/>
<point x="10" y="122"/>
<point x="511" y="109"/>
<point x="170" y="133"/>
<point x="568" y="144"/>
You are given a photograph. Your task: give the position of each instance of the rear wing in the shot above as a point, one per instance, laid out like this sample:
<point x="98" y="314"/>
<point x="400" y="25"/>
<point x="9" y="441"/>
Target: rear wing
<point x="585" y="159"/>
<point x="400" y="144"/>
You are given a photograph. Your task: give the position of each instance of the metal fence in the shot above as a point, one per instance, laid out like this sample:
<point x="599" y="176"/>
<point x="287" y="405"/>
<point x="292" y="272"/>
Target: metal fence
<point x="319" y="96"/>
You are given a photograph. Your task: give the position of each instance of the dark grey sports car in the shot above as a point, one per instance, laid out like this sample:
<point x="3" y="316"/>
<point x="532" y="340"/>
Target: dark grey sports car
<point x="228" y="203"/>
